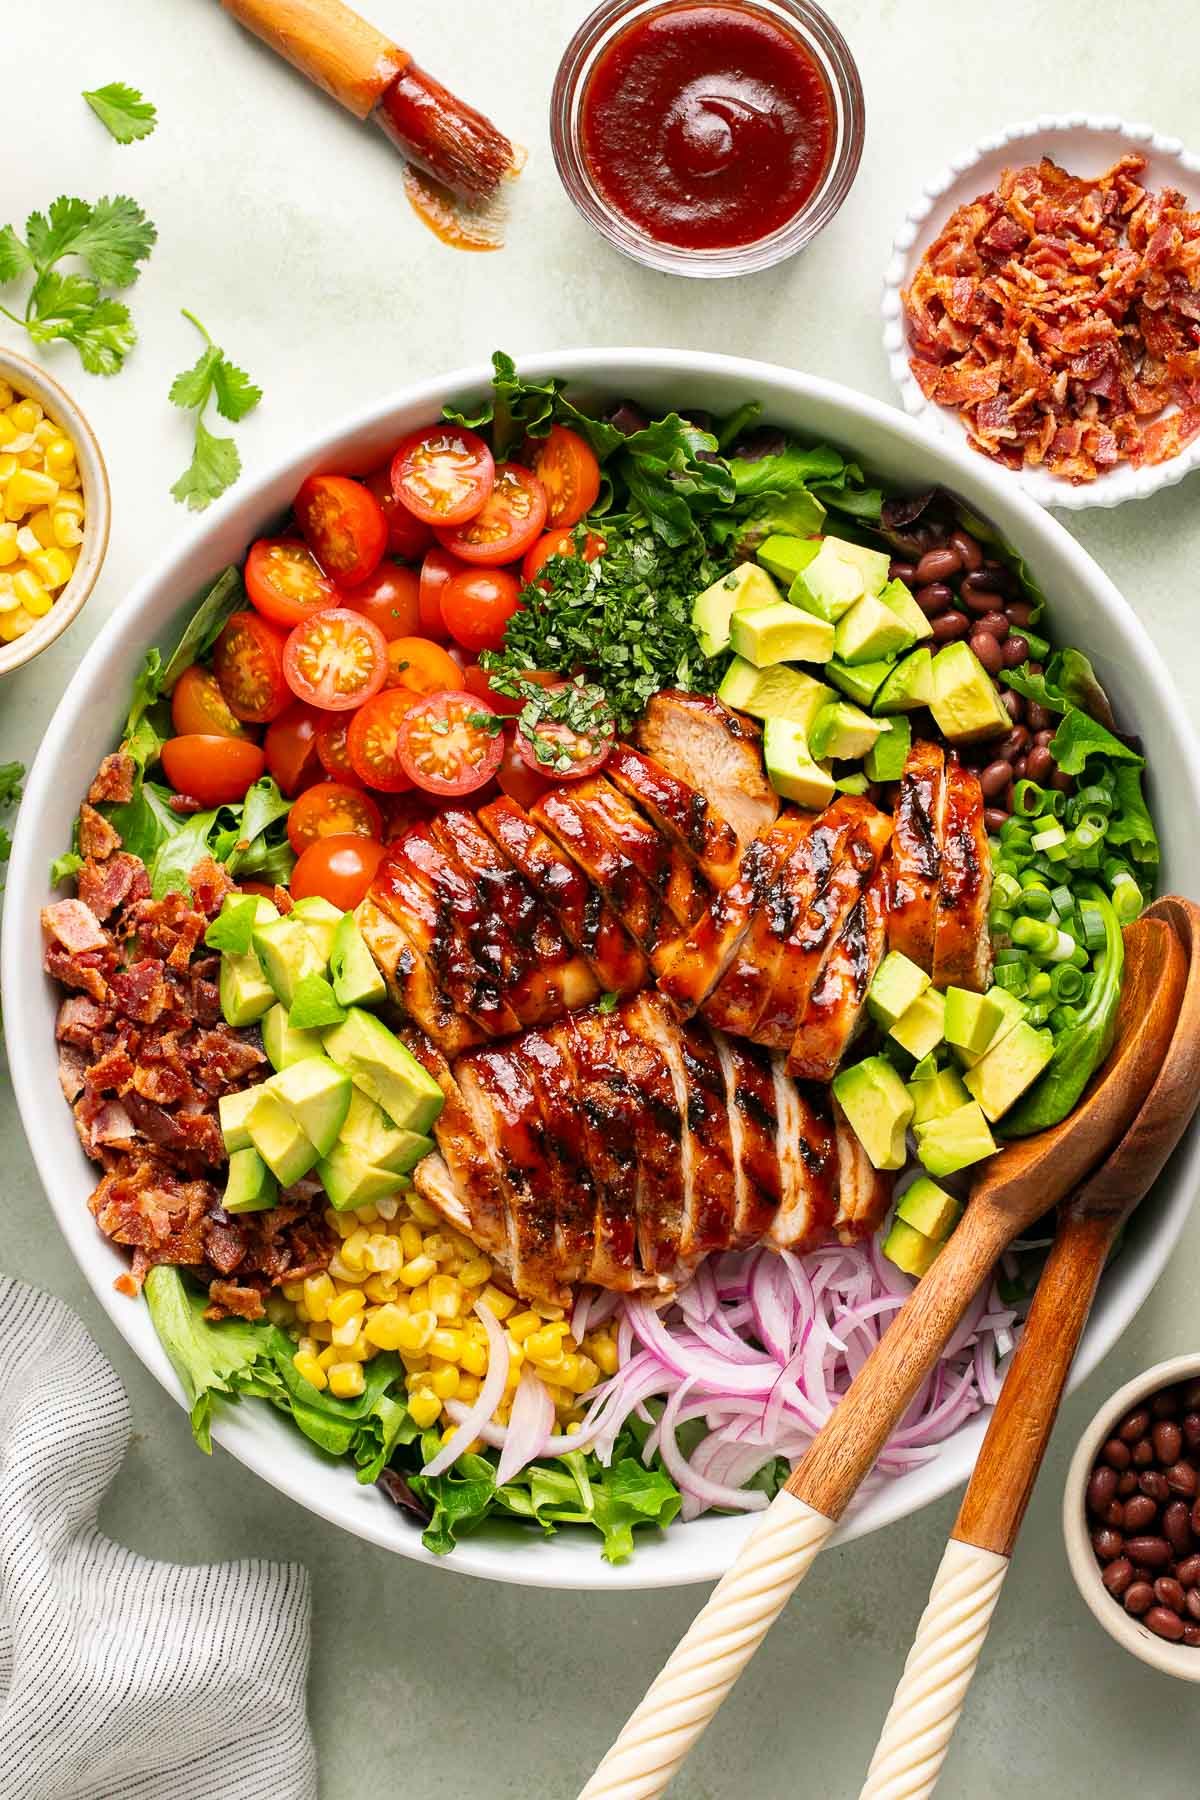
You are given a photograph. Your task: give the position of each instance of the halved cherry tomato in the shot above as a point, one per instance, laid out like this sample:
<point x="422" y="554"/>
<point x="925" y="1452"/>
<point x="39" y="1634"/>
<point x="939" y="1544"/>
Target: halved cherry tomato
<point x="573" y="736"/>
<point x="332" y="750"/>
<point x="436" y="571"/>
<point x="336" y="660"/>
<point x="559" y="543"/>
<point x="567" y="468"/>
<point x="477" y="605"/>
<point x="337" y="869"/>
<point x="331" y="809"/>
<point x="408" y="536"/>
<point x="248" y="665"/>
<point x="478" y="681"/>
<point x="374" y="741"/>
<point x="291" y="747"/>
<point x="389" y="598"/>
<point x="343" y="525"/>
<point x="447" y="746"/>
<point x="217" y="771"/>
<point x="507" y="523"/>
<point x="443" y="474"/>
<point x="516" y="778"/>
<point x="284" y="581"/>
<point x="198" y="705"/>
<point x="420" y="666"/>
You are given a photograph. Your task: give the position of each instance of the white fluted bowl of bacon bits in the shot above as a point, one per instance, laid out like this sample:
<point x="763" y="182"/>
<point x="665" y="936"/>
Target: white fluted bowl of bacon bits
<point x="552" y="900"/>
<point x="1043" y="304"/>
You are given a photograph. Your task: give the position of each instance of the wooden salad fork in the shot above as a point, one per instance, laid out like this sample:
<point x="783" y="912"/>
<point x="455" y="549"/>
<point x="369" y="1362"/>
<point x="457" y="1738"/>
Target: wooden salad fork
<point x="929" y="1699"/>
<point x="1014" y="1190"/>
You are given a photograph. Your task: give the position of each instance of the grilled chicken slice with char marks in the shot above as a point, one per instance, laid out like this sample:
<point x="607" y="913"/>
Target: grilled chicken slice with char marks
<point x="554" y="1079"/>
<point x="715" y="751"/>
<point x="917" y="854"/>
<point x="446" y="980"/>
<point x="469" y="1173"/>
<point x="819" y="921"/>
<point x="710" y="1224"/>
<point x="836" y="1007"/>
<point x="487" y="950"/>
<point x="678" y="809"/>
<point x="962" y="943"/>
<point x="753" y="1125"/>
<point x="410" y="982"/>
<point x="579" y="828"/>
<point x="610" y="1108"/>
<point x="661" y="1193"/>
<point x="585" y="916"/>
<point x="543" y="975"/>
<point x="864" y="1192"/>
<point x="808" y="1162"/>
<point x="698" y="961"/>
<point x="660" y="859"/>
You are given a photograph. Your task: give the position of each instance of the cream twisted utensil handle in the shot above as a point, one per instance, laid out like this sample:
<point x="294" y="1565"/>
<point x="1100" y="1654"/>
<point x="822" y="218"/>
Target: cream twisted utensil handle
<point x="705" y="1664"/>
<point x="929" y="1698"/>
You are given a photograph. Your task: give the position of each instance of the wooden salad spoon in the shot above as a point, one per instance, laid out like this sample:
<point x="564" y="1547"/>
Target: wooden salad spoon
<point x="950" y="1637"/>
<point x="1013" y="1190"/>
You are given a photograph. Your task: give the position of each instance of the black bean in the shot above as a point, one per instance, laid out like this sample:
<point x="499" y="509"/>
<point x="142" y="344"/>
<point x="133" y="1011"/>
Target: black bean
<point x="1040" y="763"/>
<point x="1164" y="1623"/>
<point x="1189" y="1397"/>
<point x="1134" y="1426"/>
<point x="1108" y="1544"/>
<point x="1155" y="1552"/>
<point x="1154" y="1483"/>
<point x="1117" y="1576"/>
<point x="949" y="625"/>
<point x="1037" y="718"/>
<point x="1043" y="736"/>
<point x="1019" y="769"/>
<point x="1014" y="744"/>
<point x="1016" y="651"/>
<point x="1168" y="1441"/>
<point x="995" y="818"/>
<point x="1020" y="613"/>
<point x="1191" y="1601"/>
<point x="1181" y="1479"/>
<point x="1168" y="1592"/>
<point x="903" y="571"/>
<point x="1116" y="1454"/>
<point x="934" y="598"/>
<point x="1139" y="1512"/>
<point x="981" y="600"/>
<point x="1190" y="1426"/>
<point x="1064" y="783"/>
<point x="994" y="779"/>
<point x="1176" y="1524"/>
<point x="987" y="650"/>
<point x="969" y="553"/>
<point x="995" y="624"/>
<point x="1191" y="1635"/>
<point x="1127" y="1483"/>
<point x="938" y="565"/>
<point x="1143" y="1453"/>
<point x="1138" y="1598"/>
<point x="975" y="582"/>
<point x="1013" y="704"/>
<point x="1189" y="1571"/>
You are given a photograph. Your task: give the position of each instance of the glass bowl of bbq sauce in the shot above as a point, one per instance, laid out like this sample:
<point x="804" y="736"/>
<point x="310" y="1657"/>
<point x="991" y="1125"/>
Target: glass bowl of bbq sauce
<point x="707" y="137"/>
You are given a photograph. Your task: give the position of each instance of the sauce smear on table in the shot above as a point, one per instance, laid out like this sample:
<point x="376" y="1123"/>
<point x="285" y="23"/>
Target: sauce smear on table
<point x="707" y="126"/>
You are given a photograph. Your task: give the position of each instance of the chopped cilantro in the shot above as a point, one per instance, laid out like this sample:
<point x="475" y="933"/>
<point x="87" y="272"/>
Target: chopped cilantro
<point x="110" y="239"/>
<point x="122" y="111"/>
<point x="215" y="463"/>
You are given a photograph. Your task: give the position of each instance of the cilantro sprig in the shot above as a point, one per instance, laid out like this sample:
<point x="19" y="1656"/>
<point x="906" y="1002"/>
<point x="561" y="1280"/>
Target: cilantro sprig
<point x="215" y="463"/>
<point x="122" y="111"/>
<point x="109" y="238"/>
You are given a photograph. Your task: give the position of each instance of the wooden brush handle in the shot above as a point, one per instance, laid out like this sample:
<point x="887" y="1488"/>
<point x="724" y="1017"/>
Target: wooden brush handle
<point x="845" y="1449"/>
<point x="916" y="1734"/>
<point x="329" y="43"/>
<point x="705" y="1664"/>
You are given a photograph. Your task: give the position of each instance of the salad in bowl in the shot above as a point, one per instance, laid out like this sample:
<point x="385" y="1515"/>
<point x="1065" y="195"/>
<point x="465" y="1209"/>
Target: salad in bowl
<point x="568" y="909"/>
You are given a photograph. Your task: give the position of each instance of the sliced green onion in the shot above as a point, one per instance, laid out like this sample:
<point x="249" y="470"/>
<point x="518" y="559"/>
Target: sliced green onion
<point x="1035" y="935"/>
<point x="1079" y="957"/>
<point x="1064" y="900"/>
<point x="1050" y="838"/>
<point x="1091" y="921"/>
<point x="1038" y="1013"/>
<point x="1000" y="922"/>
<point x="1040" y="984"/>
<point x="1085" y="837"/>
<point x="1009" y="955"/>
<point x="1028" y="799"/>
<point x="1039" y="649"/>
<point x="1063" y="1016"/>
<point x="1013" y="977"/>
<point x="1005" y="888"/>
<point x="1066" y="983"/>
<point x="1035" y="902"/>
<point x="1126" y="898"/>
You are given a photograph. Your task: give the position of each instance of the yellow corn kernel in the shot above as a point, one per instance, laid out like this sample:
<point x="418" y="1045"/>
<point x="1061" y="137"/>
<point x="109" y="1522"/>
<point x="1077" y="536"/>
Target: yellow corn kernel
<point x="27" y="543"/>
<point x="321" y="1329"/>
<point x="468" y="1388"/>
<point x="307" y="1346"/>
<point x="318" y="1296"/>
<point x="353" y="1247"/>
<point x="41" y="523"/>
<point x="342" y="1271"/>
<point x="346" y="1380"/>
<point x="14" y="623"/>
<point x="26" y="414"/>
<point x="29" y="488"/>
<point x="547" y="1312"/>
<point x="53" y="568"/>
<point x="422" y="1212"/>
<point x="382" y="1289"/>
<point x="545" y="1349"/>
<point x="67" y="534"/>
<point x="579" y="1373"/>
<point x="69" y="504"/>
<point x="603" y="1351"/>
<point x="383" y="1254"/>
<point x="411" y="1240"/>
<point x="367" y="1215"/>
<point x="475" y="1358"/>
<point x="436" y="1246"/>
<point x="344" y="1224"/>
<point x="8" y="467"/>
<point x="523" y="1325"/>
<point x="6" y="394"/>
<point x="31" y="593"/>
<point x="415" y="1332"/>
<point x="307" y="1365"/>
<point x="474" y="1273"/>
<point x="8" y="597"/>
<point x="447" y="1344"/>
<point x="9" y="550"/>
<point x="498" y="1304"/>
<point x="349" y="1330"/>
<point x="425" y="1409"/>
<point x="330" y="1355"/>
<point x="418" y="1299"/>
<point x="413" y="1365"/>
<point x="417" y="1271"/>
<point x="443" y="1380"/>
<point x="385" y="1327"/>
<point x="514" y="1376"/>
<point x="345" y="1306"/>
<point x="357" y="1350"/>
<point x="387" y="1206"/>
<point x="31" y="457"/>
<point x="445" y="1296"/>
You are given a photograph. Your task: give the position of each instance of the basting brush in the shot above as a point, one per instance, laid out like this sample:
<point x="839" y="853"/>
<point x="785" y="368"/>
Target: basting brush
<point x="373" y="78"/>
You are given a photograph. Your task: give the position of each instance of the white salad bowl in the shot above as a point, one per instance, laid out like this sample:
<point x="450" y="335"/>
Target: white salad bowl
<point x="1087" y="610"/>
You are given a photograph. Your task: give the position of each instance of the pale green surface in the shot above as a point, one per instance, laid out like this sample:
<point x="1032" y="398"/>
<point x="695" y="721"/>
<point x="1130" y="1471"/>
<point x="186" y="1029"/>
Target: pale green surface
<point x="282" y="226"/>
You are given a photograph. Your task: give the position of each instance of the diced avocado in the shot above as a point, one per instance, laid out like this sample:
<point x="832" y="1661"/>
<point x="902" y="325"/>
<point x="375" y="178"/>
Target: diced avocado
<point x="234" y="1110"/>
<point x="971" y="1019"/>
<point x="1011" y="1012"/>
<point x="965" y="703"/>
<point x="954" y="1142"/>
<point x="861" y="683"/>
<point x="910" y="1250"/>
<point x="784" y="557"/>
<point x="843" y="731"/>
<point x="935" y="1096"/>
<point x="887" y="756"/>
<point x="244" y="991"/>
<point x="875" y="1101"/>
<point x="790" y="769"/>
<point x="778" y="693"/>
<point x="897" y="599"/>
<point x="909" y="685"/>
<point x="349" y="1180"/>
<point x="921" y="1028"/>
<point x="926" y="1069"/>
<point x="747" y="585"/>
<point x="283" y="1145"/>
<point x="765" y="635"/>
<point x="321" y="920"/>
<point x="869" y="631"/>
<point x="929" y="1209"/>
<point x="355" y="973"/>
<point x="250" y="1185"/>
<point x="317" y="1094"/>
<point x="830" y="584"/>
<point x="852" y="784"/>
<point x="872" y="565"/>
<point x="283" y="1043"/>
<point x="286" y="950"/>
<point x="896" y="984"/>
<point x="377" y="1062"/>
<point x="369" y="1132"/>
<point x="1001" y="1076"/>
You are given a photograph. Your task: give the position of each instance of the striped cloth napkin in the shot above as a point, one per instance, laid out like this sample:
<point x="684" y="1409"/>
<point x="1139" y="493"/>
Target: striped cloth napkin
<point x="121" y="1678"/>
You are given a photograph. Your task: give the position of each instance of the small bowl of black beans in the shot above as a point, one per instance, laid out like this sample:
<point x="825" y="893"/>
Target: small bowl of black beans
<point x="1131" y="1517"/>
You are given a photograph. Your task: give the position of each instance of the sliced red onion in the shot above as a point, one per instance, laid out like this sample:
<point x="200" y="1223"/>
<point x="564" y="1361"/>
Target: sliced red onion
<point x="773" y="1314"/>
<point x="695" y="1488"/>
<point x="490" y="1395"/>
<point x="530" y="1424"/>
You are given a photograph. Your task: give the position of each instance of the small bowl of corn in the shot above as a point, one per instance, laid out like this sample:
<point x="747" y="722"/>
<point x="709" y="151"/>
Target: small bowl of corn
<point x="54" y="510"/>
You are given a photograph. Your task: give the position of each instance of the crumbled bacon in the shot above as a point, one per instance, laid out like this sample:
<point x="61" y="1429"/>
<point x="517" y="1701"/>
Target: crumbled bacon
<point x="96" y="836"/>
<point x="106" y="885"/>
<point x="74" y="925"/>
<point x="114" y="780"/>
<point x="1059" y="315"/>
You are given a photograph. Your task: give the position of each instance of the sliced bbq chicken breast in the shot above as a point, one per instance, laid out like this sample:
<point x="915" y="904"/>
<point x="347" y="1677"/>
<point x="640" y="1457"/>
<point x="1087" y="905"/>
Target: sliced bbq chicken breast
<point x="864" y="1192"/>
<point x="411" y="983"/>
<point x="962" y="943"/>
<point x="835" y="1010"/>
<point x="715" y="751"/>
<point x="917" y="854"/>
<point x="684" y="812"/>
